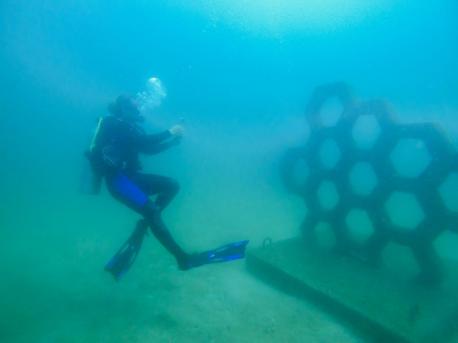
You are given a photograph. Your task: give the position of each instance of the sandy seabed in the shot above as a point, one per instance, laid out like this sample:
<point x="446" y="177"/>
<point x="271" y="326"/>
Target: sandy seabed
<point x="155" y="302"/>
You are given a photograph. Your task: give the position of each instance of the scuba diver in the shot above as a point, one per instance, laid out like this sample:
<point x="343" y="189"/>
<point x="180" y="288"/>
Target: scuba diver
<point x="114" y="157"/>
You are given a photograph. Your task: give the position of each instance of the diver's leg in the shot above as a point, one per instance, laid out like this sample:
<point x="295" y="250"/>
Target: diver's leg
<point x="152" y="214"/>
<point x="129" y="193"/>
<point x="166" y="188"/>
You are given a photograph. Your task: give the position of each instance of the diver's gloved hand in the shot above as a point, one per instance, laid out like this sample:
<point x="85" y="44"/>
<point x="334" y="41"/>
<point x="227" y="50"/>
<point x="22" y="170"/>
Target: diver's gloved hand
<point x="177" y="131"/>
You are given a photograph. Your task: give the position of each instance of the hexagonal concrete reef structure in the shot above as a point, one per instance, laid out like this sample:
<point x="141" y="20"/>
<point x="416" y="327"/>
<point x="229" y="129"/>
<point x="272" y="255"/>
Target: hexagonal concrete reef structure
<point x="380" y="195"/>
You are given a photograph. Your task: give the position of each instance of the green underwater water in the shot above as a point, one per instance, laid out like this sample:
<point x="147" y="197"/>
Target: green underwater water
<point x="240" y="75"/>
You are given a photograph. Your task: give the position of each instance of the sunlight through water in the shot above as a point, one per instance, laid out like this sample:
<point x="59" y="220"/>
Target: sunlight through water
<point x="281" y="16"/>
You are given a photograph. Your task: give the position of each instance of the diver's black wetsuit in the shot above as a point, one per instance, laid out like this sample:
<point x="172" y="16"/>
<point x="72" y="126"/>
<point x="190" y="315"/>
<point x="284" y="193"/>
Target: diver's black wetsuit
<point x="114" y="155"/>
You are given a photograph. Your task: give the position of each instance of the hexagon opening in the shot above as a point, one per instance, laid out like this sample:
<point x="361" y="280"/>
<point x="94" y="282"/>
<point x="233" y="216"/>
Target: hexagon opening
<point x="329" y="153"/>
<point x="449" y="192"/>
<point x="324" y="236"/>
<point x="331" y="111"/>
<point x="366" y="131"/>
<point x="328" y="196"/>
<point x="359" y="226"/>
<point x="446" y="245"/>
<point x="400" y="260"/>
<point x="404" y="210"/>
<point x="410" y="157"/>
<point x="363" y="179"/>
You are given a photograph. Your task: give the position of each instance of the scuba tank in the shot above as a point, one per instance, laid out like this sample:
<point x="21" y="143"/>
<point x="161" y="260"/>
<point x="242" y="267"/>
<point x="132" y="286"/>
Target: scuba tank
<point x="91" y="178"/>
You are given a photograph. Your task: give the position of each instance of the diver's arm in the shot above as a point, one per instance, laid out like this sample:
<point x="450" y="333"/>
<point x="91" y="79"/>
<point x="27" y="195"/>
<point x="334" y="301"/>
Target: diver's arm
<point x="174" y="131"/>
<point x="157" y="138"/>
<point x="153" y="144"/>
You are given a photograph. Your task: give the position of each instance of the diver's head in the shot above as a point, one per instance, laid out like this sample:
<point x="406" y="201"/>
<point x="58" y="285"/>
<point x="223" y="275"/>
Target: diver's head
<point x="125" y="107"/>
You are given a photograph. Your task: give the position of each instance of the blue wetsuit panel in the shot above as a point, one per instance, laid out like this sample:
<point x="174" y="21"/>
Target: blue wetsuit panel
<point x="129" y="191"/>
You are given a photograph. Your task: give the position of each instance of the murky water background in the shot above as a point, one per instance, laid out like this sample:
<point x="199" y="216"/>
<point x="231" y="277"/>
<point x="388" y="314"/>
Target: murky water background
<point x="239" y="76"/>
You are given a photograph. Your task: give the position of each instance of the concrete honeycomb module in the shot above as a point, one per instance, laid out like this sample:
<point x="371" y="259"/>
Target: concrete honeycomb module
<point x="375" y="181"/>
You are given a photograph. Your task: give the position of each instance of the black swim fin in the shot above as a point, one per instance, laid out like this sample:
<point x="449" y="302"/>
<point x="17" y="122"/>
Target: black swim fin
<point x="225" y="253"/>
<point x="121" y="262"/>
